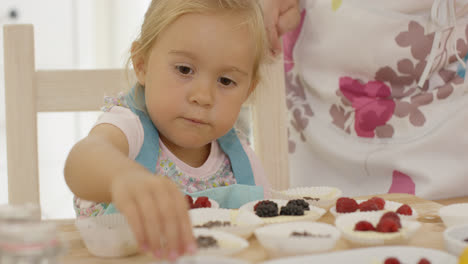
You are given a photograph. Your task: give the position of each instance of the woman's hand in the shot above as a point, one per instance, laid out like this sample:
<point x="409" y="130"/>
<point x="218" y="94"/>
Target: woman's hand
<point x="280" y="16"/>
<point x="157" y="212"/>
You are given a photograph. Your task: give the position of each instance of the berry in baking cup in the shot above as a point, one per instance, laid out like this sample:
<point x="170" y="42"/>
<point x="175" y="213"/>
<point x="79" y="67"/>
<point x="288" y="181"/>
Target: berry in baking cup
<point x="279" y="211"/>
<point x="237" y="222"/>
<point x="345" y="205"/>
<point x="372" y="229"/>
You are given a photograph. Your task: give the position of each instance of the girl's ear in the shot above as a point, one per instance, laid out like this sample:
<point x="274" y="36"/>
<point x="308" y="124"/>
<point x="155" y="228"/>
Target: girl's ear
<point x="138" y="62"/>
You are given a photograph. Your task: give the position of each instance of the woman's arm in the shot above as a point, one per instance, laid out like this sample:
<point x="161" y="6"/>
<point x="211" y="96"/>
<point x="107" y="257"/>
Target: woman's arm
<point x="280" y="16"/>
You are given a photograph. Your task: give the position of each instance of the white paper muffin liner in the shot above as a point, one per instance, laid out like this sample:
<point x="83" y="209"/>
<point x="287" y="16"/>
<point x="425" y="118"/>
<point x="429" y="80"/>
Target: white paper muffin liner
<point x="107" y="236"/>
<point x="389" y="206"/>
<point x="243" y="223"/>
<point x="346" y="223"/>
<point x="372" y="255"/>
<point x="278" y="241"/>
<point x="228" y="244"/>
<point x="454" y="238"/>
<point x="454" y="214"/>
<point x="205" y="260"/>
<point x="327" y="195"/>
<point x="312" y="215"/>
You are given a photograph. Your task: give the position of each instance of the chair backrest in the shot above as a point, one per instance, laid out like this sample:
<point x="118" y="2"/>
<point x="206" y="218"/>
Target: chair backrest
<point x="29" y="91"/>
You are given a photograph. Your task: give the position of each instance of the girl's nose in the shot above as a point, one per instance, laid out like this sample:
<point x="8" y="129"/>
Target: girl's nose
<point x="202" y="93"/>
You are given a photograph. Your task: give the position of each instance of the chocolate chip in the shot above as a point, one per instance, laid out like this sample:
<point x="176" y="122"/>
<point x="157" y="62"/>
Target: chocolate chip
<point x="206" y="242"/>
<point x="211" y="224"/>
<point x="310" y="198"/>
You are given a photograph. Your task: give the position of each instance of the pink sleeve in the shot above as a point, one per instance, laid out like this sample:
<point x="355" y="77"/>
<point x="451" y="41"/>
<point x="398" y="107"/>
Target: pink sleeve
<point x="257" y="169"/>
<point x="129" y="123"/>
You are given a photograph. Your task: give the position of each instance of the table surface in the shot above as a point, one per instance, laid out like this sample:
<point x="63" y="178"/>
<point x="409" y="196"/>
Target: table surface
<point x="428" y="236"/>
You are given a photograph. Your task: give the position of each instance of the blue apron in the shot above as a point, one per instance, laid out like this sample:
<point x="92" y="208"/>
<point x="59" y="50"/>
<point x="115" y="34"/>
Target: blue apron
<point x="232" y="196"/>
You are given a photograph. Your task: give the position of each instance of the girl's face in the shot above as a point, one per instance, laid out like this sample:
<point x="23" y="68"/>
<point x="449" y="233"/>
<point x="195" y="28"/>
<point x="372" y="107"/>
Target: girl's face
<point x="198" y="74"/>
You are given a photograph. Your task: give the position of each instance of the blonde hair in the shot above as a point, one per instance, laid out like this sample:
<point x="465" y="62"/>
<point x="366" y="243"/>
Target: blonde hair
<point x="161" y="13"/>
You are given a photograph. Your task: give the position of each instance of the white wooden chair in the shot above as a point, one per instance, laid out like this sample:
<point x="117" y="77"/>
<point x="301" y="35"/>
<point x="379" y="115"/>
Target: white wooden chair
<point x="29" y="91"/>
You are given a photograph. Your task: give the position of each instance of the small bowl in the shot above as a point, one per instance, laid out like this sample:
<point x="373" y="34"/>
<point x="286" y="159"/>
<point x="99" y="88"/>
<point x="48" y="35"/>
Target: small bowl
<point x="320" y="196"/>
<point x="229" y="244"/>
<point x="345" y="223"/>
<point x="454" y="214"/>
<point x="243" y="223"/>
<point x="454" y="239"/>
<point x="311" y="215"/>
<point x="107" y="236"/>
<point x="278" y="241"/>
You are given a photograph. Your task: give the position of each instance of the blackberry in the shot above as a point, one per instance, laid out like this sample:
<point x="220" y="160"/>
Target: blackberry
<point x="266" y="209"/>
<point x="292" y="209"/>
<point x="300" y="202"/>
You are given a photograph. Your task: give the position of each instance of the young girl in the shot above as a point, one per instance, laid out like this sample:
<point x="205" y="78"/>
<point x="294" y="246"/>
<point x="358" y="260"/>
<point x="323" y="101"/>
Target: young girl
<point x="377" y="94"/>
<point x="196" y="63"/>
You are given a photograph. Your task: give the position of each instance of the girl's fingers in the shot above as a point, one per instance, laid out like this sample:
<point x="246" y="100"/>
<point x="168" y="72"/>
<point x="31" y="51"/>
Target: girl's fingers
<point x="171" y="228"/>
<point x="134" y="219"/>
<point x="152" y="222"/>
<point x="187" y="243"/>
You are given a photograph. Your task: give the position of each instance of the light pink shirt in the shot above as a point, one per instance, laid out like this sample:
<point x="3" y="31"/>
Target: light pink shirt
<point x="129" y="123"/>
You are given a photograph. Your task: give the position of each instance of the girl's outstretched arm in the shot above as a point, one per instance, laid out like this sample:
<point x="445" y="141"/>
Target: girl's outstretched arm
<point x="99" y="170"/>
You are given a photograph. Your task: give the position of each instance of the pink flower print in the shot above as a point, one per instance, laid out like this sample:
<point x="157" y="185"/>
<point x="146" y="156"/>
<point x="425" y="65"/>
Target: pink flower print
<point x="289" y="41"/>
<point x="402" y="183"/>
<point x="371" y="102"/>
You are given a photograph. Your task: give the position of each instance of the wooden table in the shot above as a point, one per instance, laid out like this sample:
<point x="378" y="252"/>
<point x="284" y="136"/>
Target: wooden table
<point x="429" y="235"/>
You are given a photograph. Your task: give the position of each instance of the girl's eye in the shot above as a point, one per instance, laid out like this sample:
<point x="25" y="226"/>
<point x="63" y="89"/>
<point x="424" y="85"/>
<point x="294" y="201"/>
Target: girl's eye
<point x="226" y="81"/>
<point x="185" y="70"/>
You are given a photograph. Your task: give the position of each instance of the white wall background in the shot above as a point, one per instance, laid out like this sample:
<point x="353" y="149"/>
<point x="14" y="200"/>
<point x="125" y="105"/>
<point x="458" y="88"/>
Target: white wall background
<point x="68" y="34"/>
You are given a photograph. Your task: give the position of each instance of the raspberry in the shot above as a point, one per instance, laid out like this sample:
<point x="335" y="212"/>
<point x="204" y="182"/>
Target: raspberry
<point x="424" y="261"/>
<point x="387" y="225"/>
<point x="392" y="261"/>
<point x="379" y="201"/>
<point x="266" y="209"/>
<point x="346" y="205"/>
<point x="299" y="202"/>
<point x="392" y="215"/>
<point x="364" y="226"/>
<point x="292" y="209"/>
<point x="405" y="210"/>
<point x="189" y="199"/>
<point x="202" y="202"/>
<point x="368" y="206"/>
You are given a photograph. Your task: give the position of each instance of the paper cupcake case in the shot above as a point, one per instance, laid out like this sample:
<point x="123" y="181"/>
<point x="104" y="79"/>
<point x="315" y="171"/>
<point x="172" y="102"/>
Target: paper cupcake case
<point x="327" y="195"/>
<point x="278" y="241"/>
<point x="312" y="215"/>
<point x="243" y="223"/>
<point x="345" y="223"/>
<point x="228" y="244"/>
<point x="107" y="236"/>
<point x="207" y="260"/>
<point x="389" y="206"/>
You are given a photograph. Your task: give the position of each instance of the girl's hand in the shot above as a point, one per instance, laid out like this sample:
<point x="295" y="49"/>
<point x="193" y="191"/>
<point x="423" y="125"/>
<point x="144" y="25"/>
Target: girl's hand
<point x="280" y="16"/>
<point x="157" y="212"/>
